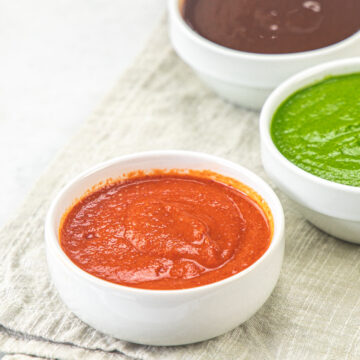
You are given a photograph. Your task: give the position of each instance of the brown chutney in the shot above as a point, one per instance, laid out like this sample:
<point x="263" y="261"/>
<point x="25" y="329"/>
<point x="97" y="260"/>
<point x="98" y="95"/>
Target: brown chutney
<point x="273" y="26"/>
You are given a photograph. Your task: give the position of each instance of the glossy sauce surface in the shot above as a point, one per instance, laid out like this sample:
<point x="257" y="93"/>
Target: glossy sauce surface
<point x="318" y="129"/>
<point x="170" y="231"/>
<point x="273" y="26"/>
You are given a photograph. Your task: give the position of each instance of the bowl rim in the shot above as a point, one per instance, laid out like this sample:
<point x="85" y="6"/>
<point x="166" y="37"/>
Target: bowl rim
<point x="52" y="242"/>
<point x="174" y="10"/>
<point x="280" y="94"/>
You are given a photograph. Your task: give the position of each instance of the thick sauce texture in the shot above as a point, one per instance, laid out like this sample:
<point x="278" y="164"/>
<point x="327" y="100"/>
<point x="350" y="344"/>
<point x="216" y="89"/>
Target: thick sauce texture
<point x="169" y="231"/>
<point x="273" y="26"/>
<point x="318" y="129"/>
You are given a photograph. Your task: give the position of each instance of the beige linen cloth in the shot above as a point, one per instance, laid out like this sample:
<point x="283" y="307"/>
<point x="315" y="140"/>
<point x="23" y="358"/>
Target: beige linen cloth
<point x="314" y="311"/>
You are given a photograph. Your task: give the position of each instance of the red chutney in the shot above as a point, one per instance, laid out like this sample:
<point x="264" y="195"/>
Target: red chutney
<point x="167" y="230"/>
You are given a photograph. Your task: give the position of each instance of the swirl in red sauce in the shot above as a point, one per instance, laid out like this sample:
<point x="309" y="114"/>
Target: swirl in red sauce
<point x="166" y="231"/>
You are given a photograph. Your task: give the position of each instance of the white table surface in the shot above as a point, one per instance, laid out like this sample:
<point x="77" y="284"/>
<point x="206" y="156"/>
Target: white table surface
<point x="58" y="59"/>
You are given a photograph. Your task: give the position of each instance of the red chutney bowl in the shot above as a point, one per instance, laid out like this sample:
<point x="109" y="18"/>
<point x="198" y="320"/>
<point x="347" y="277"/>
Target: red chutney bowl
<point x="165" y="317"/>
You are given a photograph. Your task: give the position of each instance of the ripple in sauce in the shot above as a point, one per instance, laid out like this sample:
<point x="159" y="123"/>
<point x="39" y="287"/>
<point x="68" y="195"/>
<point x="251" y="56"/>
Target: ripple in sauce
<point x="273" y="26"/>
<point x="167" y="231"/>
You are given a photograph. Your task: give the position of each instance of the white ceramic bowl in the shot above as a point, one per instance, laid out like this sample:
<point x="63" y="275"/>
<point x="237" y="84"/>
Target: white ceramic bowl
<point x="163" y="317"/>
<point x="241" y="77"/>
<point x="332" y="207"/>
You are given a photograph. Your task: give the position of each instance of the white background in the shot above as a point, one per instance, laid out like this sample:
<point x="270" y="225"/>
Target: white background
<point x="58" y="59"/>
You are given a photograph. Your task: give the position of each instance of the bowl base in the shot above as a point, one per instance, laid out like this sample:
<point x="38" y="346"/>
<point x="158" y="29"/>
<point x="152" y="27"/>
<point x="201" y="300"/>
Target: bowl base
<point x="242" y="95"/>
<point x="339" y="228"/>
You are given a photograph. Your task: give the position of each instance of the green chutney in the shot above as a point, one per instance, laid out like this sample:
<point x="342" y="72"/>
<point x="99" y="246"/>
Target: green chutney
<point x="318" y="129"/>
